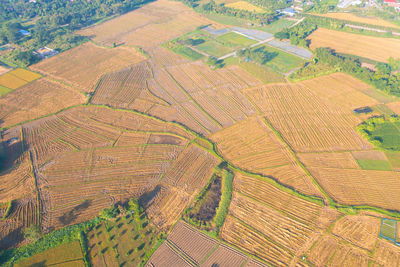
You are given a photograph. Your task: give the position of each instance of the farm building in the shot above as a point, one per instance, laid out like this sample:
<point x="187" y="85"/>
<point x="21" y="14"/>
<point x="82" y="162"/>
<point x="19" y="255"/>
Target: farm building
<point x="46" y="52"/>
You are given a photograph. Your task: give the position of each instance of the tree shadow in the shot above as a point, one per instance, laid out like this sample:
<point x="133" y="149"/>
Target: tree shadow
<point x="146" y="199"/>
<point x="10" y="240"/>
<point x="71" y="215"/>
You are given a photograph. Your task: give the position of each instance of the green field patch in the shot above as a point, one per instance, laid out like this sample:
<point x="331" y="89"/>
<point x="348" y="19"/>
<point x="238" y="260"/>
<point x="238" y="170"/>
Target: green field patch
<point x="275" y="26"/>
<point x="70" y="253"/>
<point x="187" y="52"/>
<point x="263" y="74"/>
<point x="283" y="62"/>
<point x="4" y="90"/>
<point x="214" y="48"/>
<point x="382" y="132"/>
<point x="388" y="229"/>
<point x="394" y="158"/>
<point x="236" y="39"/>
<point x="379" y="165"/>
<point x="127" y="240"/>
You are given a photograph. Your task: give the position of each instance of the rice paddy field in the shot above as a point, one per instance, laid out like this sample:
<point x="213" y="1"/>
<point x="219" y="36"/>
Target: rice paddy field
<point x="375" y="48"/>
<point x="355" y="18"/>
<point x="97" y="125"/>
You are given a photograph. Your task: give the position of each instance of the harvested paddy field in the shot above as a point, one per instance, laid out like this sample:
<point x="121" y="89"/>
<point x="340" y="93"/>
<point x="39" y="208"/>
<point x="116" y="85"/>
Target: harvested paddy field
<point x="355" y="18"/>
<point x="251" y="145"/>
<point x="188" y="246"/>
<point x="148" y="26"/>
<point x="69" y="254"/>
<point x="37" y="99"/>
<point x="272" y="224"/>
<point x="375" y="48"/>
<point x="88" y="158"/>
<point x="83" y="65"/>
<point x="311" y="115"/>
<point x="204" y="100"/>
<point x="346" y="178"/>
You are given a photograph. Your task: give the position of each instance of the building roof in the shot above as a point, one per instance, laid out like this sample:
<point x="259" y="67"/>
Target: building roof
<point x="390" y="1"/>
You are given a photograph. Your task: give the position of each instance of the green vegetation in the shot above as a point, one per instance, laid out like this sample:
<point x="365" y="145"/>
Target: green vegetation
<point x="388" y="229"/>
<point x="283" y="62"/>
<point x="262" y="72"/>
<point x="109" y="213"/>
<point x="297" y="34"/>
<point x="215" y="63"/>
<point x="340" y="25"/>
<point x="187" y="52"/>
<point x="261" y="18"/>
<point x="236" y="39"/>
<point x="311" y="70"/>
<point x="380" y="165"/>
<point x="67" y="254"/>
<point x="214" y="48"/>
<point x="222" y="209"/>
<point x="32" y="233"/>
<point x="382" y="132"/>
<point x="382" y="79"/>
<point x="200" y="40"/>
<point x="51" y="240"/>
<point x="51" y="23"/>
<point x="323" y="6"/>
<point x="129" y="239"/>
<point x="7" y="212"/>
<point x="211" y="205"/>
<point x="394" y="158"/>
<point x="273" y="58"/>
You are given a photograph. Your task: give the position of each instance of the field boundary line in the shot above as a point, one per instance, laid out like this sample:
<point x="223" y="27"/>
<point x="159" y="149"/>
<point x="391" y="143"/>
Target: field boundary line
<point x="193" y="100"/>
<point x="180" y="253"/>
<point x="260" y="233"/>
<point x="275" y="209"/>
<point x="297" y="160"/>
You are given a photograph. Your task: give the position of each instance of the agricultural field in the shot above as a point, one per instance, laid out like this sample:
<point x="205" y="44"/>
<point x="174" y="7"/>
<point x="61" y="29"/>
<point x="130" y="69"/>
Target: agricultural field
<point x="375" y="48"/>
<point x="314" y="117"/>
<point x="69" y="254"/>
<point x="272" y="224"/>
<point x="37" y="99"/>
<point x="113" y="155"/>
<point x="14" y="79"/>
<point x="186" y="246"/>
<point x="230" y="165"/>
<point x="261" y="151"/>
<point x="204" y="100"/>
<point x="127" y="88"/>
<point x="355" y="18"/>
<point x="148" y="26"/>
<point x="395" y="106"/>
<point x="126" y="240"/>
<point x="83" y="65"/>
<point x="282" y="62"/>
<point x="243" y="5"/>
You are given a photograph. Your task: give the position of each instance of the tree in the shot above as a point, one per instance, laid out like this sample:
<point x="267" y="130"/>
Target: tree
<point x="394" y="63"/>
<point x="281" y="35"/>
<point x="32" y="233"/>
<point x="109" y="213"/>
<point x="383" y="68"/>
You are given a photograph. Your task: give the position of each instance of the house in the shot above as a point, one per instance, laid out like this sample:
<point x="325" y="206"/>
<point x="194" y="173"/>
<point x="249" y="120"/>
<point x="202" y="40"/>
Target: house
<point x="393" y="3"/>
<point x="46" y="52"/>
<point x="289" y="11"/>
<point x="24" y="33"/>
